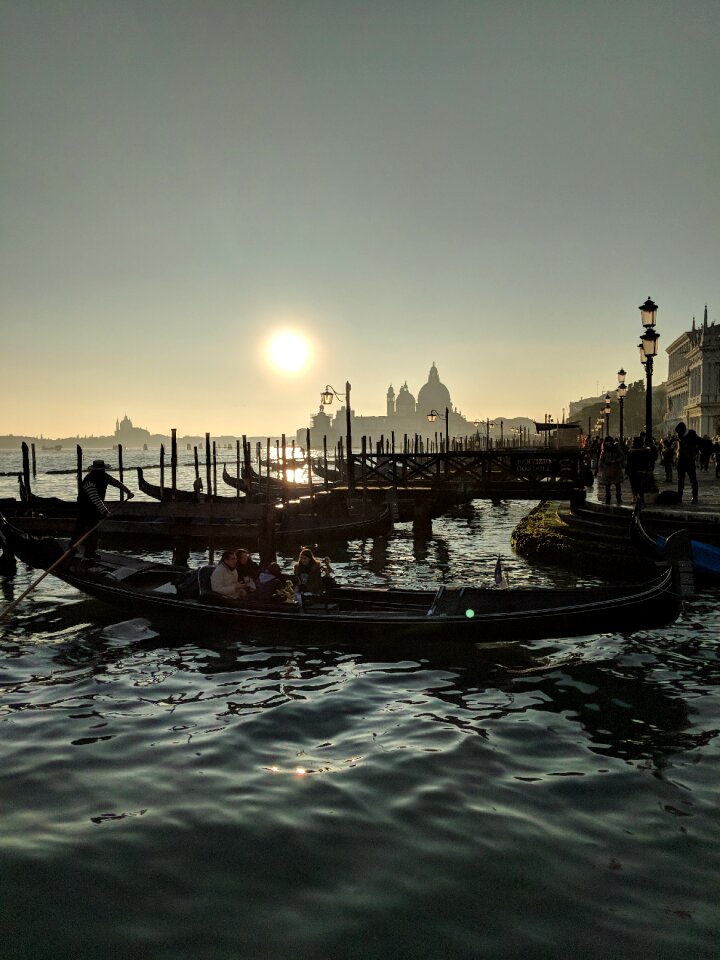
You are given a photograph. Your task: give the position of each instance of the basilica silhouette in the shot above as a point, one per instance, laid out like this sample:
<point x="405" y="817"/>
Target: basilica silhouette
<point x="404" y="416"/>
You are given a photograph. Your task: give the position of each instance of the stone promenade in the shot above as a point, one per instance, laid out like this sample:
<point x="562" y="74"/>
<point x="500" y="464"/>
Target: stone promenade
<point x="708" y="506"/>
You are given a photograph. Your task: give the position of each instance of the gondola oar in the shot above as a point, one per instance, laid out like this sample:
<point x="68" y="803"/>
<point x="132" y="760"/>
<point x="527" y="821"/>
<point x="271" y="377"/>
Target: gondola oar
<point x="73" y="546"/>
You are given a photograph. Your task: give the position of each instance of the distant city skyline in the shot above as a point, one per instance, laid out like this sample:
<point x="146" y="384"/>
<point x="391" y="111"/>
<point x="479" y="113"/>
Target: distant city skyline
<point x="494" y="187"/>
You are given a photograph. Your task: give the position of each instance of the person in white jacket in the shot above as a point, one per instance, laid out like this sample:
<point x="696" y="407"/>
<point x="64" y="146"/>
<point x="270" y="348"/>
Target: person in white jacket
<point x="224" y="579"/>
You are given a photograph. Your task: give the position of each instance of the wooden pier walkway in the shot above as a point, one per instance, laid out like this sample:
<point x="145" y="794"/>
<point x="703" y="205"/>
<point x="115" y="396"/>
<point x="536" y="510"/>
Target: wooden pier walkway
<point x="518" y="473"/>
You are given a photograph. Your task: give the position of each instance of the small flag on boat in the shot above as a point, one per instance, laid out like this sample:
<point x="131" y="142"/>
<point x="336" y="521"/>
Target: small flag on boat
<point x="501" y="580"/>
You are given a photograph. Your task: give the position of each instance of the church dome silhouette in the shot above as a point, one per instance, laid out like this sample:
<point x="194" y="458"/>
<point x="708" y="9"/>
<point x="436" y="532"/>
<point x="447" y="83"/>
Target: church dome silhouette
<point x="433" y="395"/>
<point x="405" y="403"/>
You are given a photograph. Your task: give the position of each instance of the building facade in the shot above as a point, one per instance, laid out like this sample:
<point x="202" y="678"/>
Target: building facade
<point x="129" y="435"/>
<point x="404" y="416"/>
<point x="693" y="384"/>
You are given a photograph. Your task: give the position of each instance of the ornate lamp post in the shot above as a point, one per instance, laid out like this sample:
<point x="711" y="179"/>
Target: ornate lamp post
<point x="648" y="349"/>
<point x="432" y="417"/>
<point x="621" y="392"/>
<point x="488" y="423"/>
<point x="606" y="411"/>
<point x="326" y="398"/>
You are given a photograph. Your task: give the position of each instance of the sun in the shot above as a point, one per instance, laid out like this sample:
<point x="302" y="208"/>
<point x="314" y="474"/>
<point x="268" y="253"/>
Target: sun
<point x="289" y="351"/>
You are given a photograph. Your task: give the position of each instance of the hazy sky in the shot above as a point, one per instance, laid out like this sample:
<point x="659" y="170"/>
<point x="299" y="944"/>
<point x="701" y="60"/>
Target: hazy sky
<point x="493" y="185"/>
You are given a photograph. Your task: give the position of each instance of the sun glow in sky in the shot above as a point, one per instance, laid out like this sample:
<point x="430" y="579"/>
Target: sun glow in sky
<point x="462" y="185"/>
<point x="288" y="351"/>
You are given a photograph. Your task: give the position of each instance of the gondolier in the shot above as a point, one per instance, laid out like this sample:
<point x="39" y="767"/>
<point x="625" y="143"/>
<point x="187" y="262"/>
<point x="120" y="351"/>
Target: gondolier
<point x="91" y="503"/>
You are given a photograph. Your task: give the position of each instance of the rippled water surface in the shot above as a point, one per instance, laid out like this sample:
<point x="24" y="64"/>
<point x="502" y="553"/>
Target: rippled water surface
<point x="175" y="795"/>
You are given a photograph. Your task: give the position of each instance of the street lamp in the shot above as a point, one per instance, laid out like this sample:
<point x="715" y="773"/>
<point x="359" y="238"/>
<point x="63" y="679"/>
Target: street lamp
<point x="606" y="411"/>
<point x="432" y="417"/>
<point x="621" y="392"/>
<point x="326" y="398"/>
<point x="648" y="349"/>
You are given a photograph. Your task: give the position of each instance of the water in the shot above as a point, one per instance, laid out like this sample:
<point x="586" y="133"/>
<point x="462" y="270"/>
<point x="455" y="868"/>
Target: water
<point x="167" y="795"/>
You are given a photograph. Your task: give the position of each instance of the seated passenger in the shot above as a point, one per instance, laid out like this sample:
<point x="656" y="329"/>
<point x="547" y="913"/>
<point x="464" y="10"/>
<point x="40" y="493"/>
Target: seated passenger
<point x="308" y="572"/>
<point x="270" y="581"/>
<point x="224" y="579"/>
<point x="248" y="570"/>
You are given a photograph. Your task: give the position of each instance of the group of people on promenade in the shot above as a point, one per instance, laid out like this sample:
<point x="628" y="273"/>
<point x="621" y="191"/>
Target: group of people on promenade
<point x="612" y="460"/>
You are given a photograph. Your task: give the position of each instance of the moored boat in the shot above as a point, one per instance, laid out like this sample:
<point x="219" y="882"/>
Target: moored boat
<point x="167" y="495"/>
<point x="446" y="615"/>
<point x="705" y="556"/>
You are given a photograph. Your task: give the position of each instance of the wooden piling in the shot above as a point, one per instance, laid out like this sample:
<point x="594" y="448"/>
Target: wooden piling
<point x="422" y="519"/>
<point x="214" y="468"/>
<point x="121" y="472"/>
<point x="26" y="471"/>
<point x="309" y="470"/>
<point x="266" y="534"/>
<point x="162" y="471"/>
<point x="237" y="462"/>
<point x="34" y="461"/>
<point x="267" y="476"/>
<point x="325" y="461"/>
<point x="79" y="466"/>
<point x="173" y="463"/>
<point x="208" y="469"/>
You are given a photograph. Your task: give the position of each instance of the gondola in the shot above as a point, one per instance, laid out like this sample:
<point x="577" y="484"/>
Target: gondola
<point x="348" y="614"/>
<point x="358" y="524"/>
<point x="166" y="494"/>
<point x="274" y="486"/>
<point x="265" y="487"/>
<point x="705" y="556"/>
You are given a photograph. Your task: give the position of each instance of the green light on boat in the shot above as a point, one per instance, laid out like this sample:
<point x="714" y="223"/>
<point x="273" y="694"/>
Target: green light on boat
<point x="469" y="614"/>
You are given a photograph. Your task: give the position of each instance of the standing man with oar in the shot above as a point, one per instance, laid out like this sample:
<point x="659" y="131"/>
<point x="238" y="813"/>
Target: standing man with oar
<point x="91" y="503"/>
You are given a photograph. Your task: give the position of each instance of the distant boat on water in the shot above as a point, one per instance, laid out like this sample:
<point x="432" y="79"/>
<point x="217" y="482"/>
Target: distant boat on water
<point x="57" y="446"/>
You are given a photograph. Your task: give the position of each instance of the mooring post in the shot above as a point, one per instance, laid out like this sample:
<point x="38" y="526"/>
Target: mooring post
<point x="79" y="465"/>
<point x="350" y="469"/>
<point x="247" y="463"/>
<point x="309" y="470"/>
<point x="284" y="470"/>
<point x="162" y="471"/>
<point x="208" y="468"/>
<point x="267" y="471"/>
<point x="422" y="518"/>
<point x="26" y="471"/>
<point x="214" y="468"/>
<point x="266" y="535"/>
<point x="173" y="463"/>
<point x="34" y="462"/>
<point x="237" y="463"/>
<point x="325" y="461"/>
<point x="121" y="472"/>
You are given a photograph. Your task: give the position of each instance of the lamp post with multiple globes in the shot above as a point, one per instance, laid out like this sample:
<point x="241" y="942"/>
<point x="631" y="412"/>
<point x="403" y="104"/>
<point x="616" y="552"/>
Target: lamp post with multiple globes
<point x="606" y="411"/>
<point x="621" y="393"/>
<point x="648" y="351"/>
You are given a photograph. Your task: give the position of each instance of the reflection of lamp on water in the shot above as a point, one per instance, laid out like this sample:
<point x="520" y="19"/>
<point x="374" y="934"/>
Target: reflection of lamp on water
<point x="432" y="417"/>
<point x="326" y="398"/>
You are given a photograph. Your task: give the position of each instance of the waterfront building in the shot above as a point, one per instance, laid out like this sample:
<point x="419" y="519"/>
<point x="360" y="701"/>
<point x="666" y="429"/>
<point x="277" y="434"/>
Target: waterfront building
<point x="129" y="435"/>
<point x="404" y="416"/>
<point x="693" y="384"/>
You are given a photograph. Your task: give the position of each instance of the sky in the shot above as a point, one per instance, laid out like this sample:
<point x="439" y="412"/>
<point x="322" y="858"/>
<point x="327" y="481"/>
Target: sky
<point x="494" y="187"/>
